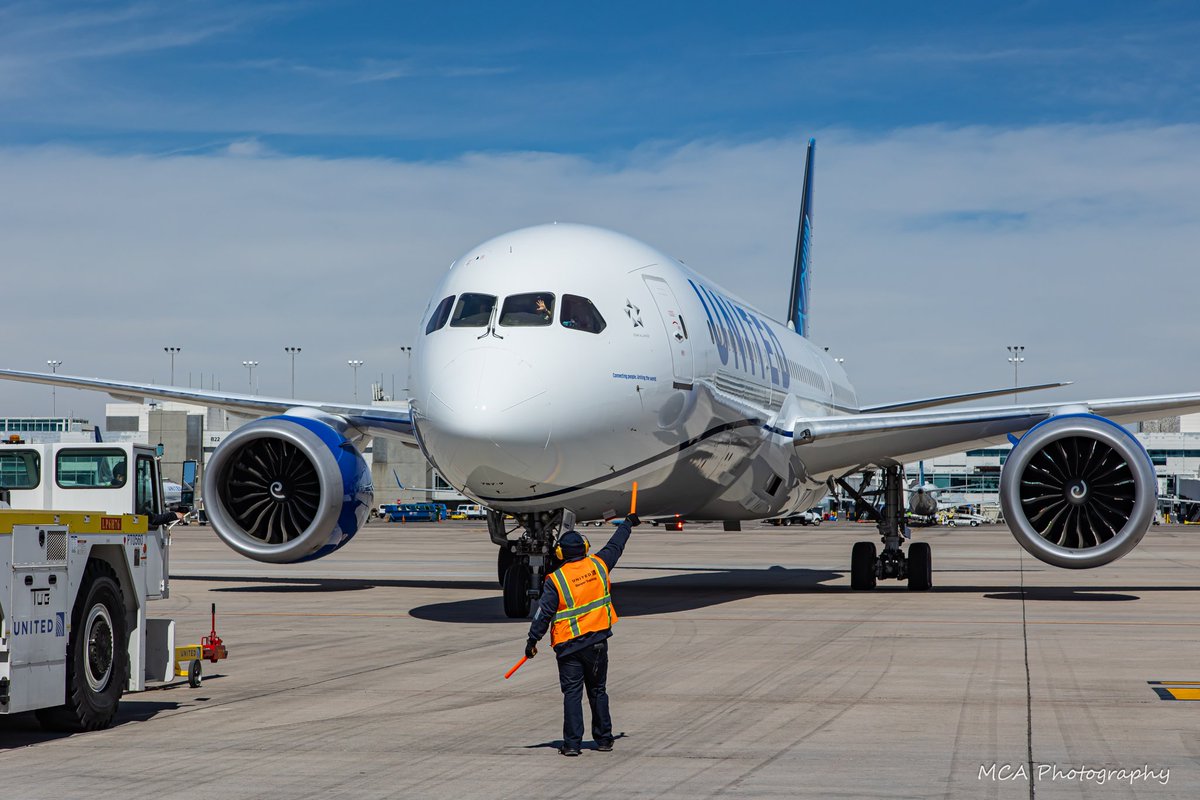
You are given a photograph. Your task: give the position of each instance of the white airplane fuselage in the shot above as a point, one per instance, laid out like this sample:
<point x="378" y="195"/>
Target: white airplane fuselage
<point x="680" y="391"/>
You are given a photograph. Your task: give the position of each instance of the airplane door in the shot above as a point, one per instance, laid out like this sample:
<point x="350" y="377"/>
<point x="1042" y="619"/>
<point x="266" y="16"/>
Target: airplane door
<point x="676" y="328"/>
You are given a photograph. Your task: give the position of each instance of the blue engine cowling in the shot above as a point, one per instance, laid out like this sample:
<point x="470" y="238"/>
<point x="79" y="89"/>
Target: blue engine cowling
<point x="287" y="488"/>
<point x="1078" y="491"/>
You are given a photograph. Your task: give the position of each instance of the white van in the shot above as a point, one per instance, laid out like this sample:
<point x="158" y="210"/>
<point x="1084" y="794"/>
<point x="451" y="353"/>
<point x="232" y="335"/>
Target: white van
<point x="472" y="511"/>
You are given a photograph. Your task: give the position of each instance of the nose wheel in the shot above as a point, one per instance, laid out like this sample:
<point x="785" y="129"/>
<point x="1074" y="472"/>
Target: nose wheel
<point x="516" y="590"/>
<point x="523" y="560"/>
<point x="867" y="565"/>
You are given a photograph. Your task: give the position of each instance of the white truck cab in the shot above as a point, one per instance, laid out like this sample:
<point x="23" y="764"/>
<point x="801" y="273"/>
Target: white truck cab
<point x="118" y="478"/>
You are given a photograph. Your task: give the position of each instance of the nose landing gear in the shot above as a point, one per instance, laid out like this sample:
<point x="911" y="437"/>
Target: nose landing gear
<point x="867" y="567"/>
<point x="523" y="563"/>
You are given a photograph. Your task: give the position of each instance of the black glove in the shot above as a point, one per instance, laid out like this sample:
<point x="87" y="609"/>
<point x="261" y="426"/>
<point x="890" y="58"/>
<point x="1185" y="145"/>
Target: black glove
<point x="633" y="520"/>
<point x="531" y="648"/>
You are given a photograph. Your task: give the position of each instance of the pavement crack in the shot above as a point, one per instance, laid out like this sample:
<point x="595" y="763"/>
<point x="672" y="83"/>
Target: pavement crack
<point x="1028" y="686"/>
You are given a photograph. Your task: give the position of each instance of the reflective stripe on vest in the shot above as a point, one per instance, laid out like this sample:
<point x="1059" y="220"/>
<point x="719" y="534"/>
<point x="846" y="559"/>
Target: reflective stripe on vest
<point x="584" y="602"/>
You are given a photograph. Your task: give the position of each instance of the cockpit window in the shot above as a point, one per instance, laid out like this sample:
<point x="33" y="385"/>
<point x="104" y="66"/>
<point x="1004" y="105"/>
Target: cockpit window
<point x="473" y="311"/>
<point x="579" y="314"/>
<point x="527" y="310"/>
<point x="439" y="316"/>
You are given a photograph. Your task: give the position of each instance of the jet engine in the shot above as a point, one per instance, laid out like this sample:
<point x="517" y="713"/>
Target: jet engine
<point x="922" y="503"/>
<point x="287" y="488"/>
<point x="1078" y="491"/>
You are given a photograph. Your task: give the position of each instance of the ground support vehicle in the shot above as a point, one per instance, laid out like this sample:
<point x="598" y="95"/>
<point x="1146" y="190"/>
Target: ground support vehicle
<point x="799" y="518"/>
<point x="471" y="511"/>
<point x="74" y="629"/>
<point x="413" y="512"/>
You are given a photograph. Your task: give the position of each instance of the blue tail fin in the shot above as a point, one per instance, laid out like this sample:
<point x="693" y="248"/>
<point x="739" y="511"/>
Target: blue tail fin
<point x="802" y="268"/>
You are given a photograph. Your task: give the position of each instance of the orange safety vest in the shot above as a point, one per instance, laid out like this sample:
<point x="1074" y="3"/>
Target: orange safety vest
<point x="584" y="602"/>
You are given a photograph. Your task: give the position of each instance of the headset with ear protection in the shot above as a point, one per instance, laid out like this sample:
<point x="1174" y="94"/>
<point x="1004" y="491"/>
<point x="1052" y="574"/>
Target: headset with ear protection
<point x="587" y="548"/>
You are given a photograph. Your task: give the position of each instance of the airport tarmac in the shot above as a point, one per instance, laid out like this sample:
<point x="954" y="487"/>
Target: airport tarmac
<point x="743" y="666"/>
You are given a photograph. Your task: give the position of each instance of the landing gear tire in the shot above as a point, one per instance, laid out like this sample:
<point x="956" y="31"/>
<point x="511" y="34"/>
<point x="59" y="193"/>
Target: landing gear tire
<point x="97" y="656"/>
<point x="516" y="591"/>
<point x="504" y="560"/>
<point x="920" y="567"/>
<point x="862" y="566"/>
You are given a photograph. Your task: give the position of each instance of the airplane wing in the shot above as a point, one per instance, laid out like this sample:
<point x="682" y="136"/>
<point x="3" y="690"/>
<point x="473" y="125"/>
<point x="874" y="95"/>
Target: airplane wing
<point x="850" y="441"/>
<point x="950" y="399"/>
<point x="372" y="420"/>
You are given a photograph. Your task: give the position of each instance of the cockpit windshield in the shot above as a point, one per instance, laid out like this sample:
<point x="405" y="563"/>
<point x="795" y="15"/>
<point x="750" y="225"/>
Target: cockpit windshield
<point x="579" y="314"/>
<point x="437" y="320"/>
<point x="527" y="310"/>
<point x="473" y="311"/>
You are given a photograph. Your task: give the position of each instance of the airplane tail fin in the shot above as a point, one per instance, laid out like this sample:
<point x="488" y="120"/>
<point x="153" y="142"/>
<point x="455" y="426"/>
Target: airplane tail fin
<point x="801" y="269"/>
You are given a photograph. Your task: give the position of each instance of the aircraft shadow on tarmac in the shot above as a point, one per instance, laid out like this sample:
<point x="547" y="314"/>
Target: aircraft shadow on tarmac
<point x="22" y="730"/>
<point x="685" y="590"/>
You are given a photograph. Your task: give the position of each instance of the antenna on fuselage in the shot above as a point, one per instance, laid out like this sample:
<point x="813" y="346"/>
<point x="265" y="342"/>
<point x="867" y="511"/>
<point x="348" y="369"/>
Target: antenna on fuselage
<point x="797" y="316"/>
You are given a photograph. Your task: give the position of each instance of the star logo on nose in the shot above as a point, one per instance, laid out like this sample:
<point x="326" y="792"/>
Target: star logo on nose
<point x="634" y="313"/>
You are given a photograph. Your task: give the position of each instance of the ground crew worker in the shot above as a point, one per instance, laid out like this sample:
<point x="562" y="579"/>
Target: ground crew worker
<point x="577" y="608"/>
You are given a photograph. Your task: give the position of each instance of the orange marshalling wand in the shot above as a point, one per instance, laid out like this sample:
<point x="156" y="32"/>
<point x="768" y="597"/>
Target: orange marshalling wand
<point x="633" y="500"/>
<point x="516" y="667"/>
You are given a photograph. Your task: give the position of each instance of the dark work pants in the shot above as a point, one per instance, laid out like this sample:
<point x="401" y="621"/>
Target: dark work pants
<point x="586" y="668"/>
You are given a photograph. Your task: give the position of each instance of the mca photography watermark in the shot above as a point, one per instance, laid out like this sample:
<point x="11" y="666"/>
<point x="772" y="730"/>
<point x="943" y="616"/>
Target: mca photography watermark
<point x="1084" y="774"/>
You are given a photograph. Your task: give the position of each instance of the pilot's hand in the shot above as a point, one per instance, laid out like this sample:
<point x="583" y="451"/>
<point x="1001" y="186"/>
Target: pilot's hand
<point x="531" y="648"/>
<point x="633" y="520"/>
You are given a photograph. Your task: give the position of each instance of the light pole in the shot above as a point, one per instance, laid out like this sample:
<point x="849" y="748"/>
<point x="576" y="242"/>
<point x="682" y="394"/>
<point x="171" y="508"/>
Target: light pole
<point x="407" y="372"/>
<point x="250" y="365"/>
<point x="1015" y="357"/>
<point x="354" y="364"/>
<point x="53" y="364"/>
<point x="840" y="361"/>
<point x="291" y="351"/>
<point x="171" y="351"/>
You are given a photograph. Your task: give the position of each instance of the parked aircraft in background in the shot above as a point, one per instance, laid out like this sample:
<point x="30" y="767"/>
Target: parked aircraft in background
<point x="559" y="363"/>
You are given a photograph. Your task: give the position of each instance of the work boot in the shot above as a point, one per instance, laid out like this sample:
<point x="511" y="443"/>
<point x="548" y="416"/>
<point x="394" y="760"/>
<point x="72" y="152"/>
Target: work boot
<point x="568" y="750"/>
<point x="604" y="747"/>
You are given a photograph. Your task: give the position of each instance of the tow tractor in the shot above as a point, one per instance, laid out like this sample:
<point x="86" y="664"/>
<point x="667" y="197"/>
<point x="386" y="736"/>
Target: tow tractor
<point x="79" y="565"/>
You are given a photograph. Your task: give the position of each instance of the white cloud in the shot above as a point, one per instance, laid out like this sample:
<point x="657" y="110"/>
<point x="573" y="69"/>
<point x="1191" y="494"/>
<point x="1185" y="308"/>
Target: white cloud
<point x="248" y="148"/>
<point x="935" y="248"/>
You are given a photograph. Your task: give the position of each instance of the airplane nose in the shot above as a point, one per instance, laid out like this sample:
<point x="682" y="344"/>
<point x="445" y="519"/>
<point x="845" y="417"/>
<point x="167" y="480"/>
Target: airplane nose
<point x="487" y="411"/>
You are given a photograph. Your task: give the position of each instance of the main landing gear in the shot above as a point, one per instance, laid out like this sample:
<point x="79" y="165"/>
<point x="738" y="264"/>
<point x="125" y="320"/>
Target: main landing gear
<point x="866" y="565"/>
<point x="522" y="564"/>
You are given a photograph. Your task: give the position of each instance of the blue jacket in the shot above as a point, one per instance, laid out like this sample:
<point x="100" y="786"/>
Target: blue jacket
<point x="548" y="604"/>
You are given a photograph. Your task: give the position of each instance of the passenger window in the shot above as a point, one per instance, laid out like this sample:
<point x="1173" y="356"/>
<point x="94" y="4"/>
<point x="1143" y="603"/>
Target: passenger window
<point x="527" y="310"/>
<point x="146" y="499"/>
<point x="579" y="314"/>
<point x="437" y="320"/>
<point x="90" y="469"/>
<point x="473" y="311"/>
<point x="20" y="469"/>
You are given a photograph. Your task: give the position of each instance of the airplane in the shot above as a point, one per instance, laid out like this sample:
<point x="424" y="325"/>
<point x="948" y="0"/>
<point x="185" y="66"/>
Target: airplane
<point x="557" y="364"/>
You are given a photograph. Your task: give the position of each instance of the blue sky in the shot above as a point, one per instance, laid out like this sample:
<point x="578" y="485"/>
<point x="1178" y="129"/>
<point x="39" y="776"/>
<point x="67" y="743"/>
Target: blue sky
<point x="430" y="80"/>
<point x="250" y="176"/>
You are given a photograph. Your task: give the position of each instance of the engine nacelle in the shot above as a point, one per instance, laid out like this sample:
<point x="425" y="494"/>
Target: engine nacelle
<point x="1078" y="491"/>
<point x="287" y="488"/>
<point x="922" y="503"/>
